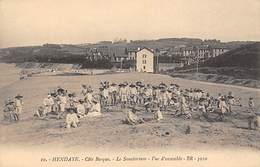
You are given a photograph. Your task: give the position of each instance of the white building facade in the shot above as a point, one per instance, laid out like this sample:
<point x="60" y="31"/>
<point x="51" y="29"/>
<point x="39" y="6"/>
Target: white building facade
<point x="145" y="60"/>
<point x="216" y="51"/>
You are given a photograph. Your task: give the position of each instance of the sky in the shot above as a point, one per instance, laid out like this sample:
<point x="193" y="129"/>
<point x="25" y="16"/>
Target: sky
<point x="35" y="22"/>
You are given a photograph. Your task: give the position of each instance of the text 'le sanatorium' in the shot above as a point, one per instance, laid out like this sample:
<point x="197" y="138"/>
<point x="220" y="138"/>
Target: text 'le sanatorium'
<point x="125" y="158"/>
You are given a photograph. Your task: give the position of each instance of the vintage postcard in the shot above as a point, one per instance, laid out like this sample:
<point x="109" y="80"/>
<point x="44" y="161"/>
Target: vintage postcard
<point x="144" y="83"/>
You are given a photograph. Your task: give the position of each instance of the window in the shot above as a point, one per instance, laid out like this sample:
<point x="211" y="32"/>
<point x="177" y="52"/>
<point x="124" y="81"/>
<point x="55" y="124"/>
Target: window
<point x="144" y="61"/>
<point x="144" y="55"/>
<point x="144" y="67"/>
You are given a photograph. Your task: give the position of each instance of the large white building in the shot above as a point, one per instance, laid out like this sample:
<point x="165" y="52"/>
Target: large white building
<point x="216" y="51"/>
<point x="145" y="60"/>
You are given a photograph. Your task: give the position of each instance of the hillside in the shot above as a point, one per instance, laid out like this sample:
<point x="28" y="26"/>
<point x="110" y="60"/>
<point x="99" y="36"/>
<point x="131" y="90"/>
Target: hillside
<point x="49" y="51"/>
<point x="244" y="56"/>
<point x="240" y="66"/>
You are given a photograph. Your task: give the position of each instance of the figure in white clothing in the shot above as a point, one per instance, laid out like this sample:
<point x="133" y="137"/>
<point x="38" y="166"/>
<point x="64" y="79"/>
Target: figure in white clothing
<point x="81" y="112"/>
<point x="62" y="102"/>
<point x="95" y="109"/>
<point x="133" y="94"/>
<point x="113" y="93"/>
<point x="18" y="107"/>
<point x="158" y="114"/>
<point x="88" y="99"/>
<point x="72" y="119"/>
<point x="48" y="102"/>
<point x="132" y="118"/>
<point x="123" y="95"/>
<point x="84" y="90"/>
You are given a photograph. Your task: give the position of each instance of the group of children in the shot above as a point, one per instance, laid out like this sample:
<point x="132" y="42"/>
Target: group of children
<point x="167" y="98"/>
<point x="68" y="105"/>
<point x="155" y="99"/>
<point x="13" y="108"/>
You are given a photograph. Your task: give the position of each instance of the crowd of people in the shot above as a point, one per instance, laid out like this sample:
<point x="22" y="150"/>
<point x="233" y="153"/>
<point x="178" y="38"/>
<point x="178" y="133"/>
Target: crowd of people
<point x="154" y="99"/>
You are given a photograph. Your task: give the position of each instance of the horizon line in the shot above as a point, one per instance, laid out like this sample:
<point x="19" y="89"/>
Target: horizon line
<point x="128" y="41"/>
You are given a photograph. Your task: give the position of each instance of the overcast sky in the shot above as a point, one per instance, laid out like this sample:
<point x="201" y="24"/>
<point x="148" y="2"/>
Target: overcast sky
<point x="32" y="22"/>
